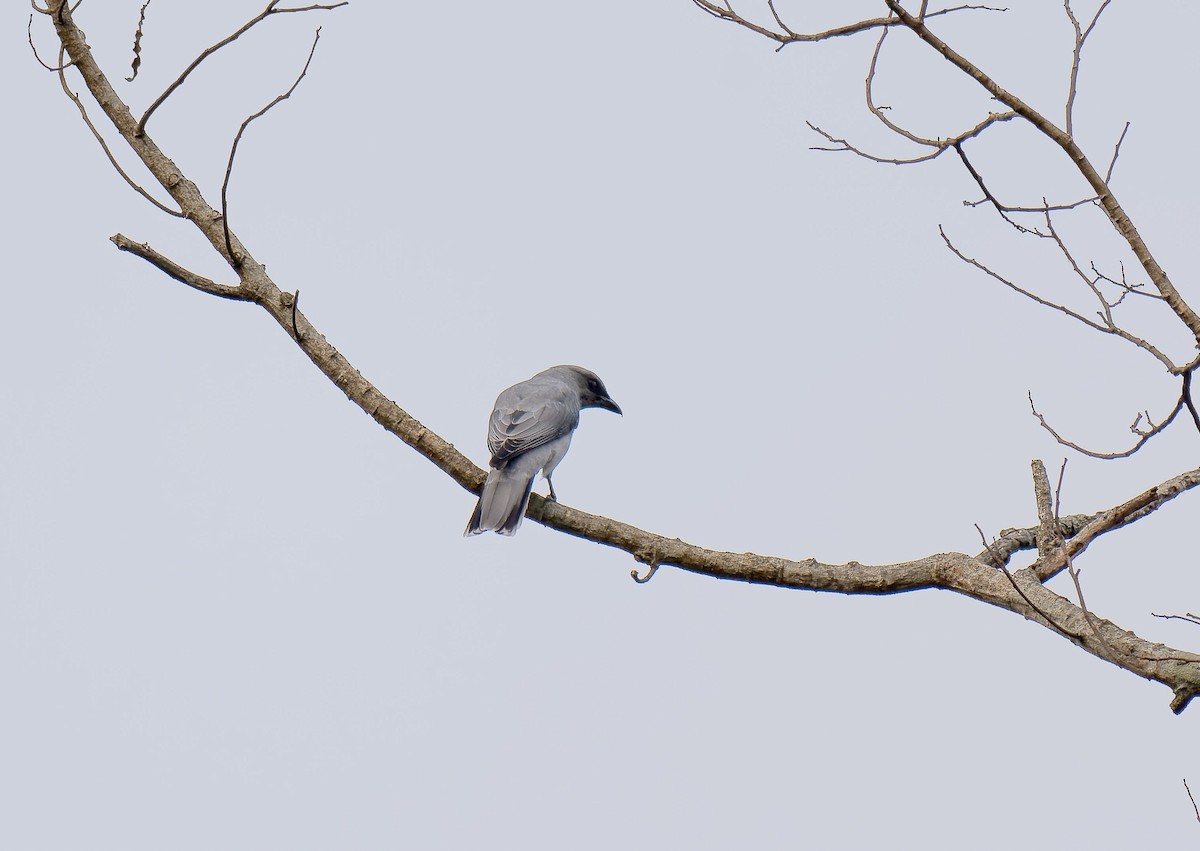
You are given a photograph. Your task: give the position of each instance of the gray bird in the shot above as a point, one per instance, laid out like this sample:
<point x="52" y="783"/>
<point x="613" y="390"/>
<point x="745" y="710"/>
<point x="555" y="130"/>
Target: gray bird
<point x="530" y="430"/>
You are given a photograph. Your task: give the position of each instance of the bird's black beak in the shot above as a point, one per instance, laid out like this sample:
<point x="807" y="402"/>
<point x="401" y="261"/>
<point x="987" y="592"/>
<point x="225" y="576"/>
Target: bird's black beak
<point x="607" y="404"/>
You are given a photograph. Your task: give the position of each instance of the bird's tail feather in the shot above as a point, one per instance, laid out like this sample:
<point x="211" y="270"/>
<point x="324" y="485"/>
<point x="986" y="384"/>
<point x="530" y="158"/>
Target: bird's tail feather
<point x="502" y="504"/>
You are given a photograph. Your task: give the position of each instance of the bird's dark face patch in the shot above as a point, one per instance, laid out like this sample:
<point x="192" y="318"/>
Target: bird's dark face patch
<point x="595" y="394"/>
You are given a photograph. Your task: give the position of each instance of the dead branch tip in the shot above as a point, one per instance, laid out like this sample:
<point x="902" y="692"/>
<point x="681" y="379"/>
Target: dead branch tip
<point x="137" y="44"/>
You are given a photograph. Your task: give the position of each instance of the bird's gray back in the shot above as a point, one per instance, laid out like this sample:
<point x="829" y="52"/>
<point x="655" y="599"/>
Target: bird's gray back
<point x="531" y="414"/>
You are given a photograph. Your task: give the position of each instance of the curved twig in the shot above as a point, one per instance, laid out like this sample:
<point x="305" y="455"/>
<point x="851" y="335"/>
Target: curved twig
<point x="1143" y="436"/>
<point x="238" y="138"/>
<point x="33" y="47"/>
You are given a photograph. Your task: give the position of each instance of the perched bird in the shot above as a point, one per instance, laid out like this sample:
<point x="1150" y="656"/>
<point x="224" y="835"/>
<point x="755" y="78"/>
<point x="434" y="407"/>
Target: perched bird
<point x="530" y="430"/>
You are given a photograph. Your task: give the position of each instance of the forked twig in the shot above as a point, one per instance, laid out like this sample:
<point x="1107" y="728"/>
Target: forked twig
<point x="179" y="273"/>
<point x="261" y="16"/>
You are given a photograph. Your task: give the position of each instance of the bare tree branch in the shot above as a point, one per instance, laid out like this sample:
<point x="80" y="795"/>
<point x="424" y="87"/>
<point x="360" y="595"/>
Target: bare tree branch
<point x="786" y="35"/>
<point x="259" y="18"/>
<point x="970" y="261"/>
<point x="939" y="148"/>
<point x="1144" y="433"/>
<point x="1105" y="326"/>
<point x="1105" y="312"/>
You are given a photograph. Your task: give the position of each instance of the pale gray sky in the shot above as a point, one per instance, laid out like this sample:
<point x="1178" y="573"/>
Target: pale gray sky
<point x="236" y="614"/>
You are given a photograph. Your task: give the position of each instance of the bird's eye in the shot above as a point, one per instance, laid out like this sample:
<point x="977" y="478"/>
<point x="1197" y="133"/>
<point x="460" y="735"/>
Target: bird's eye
<point x="593" y="385"/>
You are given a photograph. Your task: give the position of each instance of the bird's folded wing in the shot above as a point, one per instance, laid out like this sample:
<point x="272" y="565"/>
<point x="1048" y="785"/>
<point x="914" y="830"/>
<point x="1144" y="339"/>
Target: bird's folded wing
<point x="516" y="429"/>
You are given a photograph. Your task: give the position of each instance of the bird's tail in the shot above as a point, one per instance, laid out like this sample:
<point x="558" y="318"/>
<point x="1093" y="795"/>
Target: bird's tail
<point x="502" y="504"/>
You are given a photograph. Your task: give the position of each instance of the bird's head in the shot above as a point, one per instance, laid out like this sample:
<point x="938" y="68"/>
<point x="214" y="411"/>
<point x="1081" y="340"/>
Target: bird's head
<point x="592" y="392"/>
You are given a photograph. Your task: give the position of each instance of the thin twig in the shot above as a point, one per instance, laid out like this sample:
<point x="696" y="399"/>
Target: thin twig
<point x="1105" y="312"/>
<point x="1143" y="435"/>
<point x="261" y="16"/>
<point x="779" y="20"/>
<point x="1073" y="572"/>
<point x="1062" y="471"/>
<point x="1107" y="327"/>
<point x="1193" y="800"/>
<point x="987" y="195"/>
<point x="939" y="147"/>
<point x="788" y="36"/>
<point x="1039" y="209"/>
<point x="878" y="112"/>
<point x="295" y="307"/>
<point x="33" y="47"/>
<point x="970" y="261"/>
<point x="1189" y="617"/>
<point x="1080" y="37"/>
<point x="238" y="138"/>
<point x="1116" y="153"/>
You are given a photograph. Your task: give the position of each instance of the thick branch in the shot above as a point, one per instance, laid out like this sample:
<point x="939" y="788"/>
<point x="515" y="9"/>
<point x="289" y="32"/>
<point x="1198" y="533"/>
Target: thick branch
<point x="1114" y="518"/>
